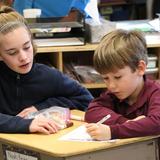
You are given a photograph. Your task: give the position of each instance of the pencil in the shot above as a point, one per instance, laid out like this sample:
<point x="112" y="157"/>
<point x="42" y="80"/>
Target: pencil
<point x="104" y="119"/>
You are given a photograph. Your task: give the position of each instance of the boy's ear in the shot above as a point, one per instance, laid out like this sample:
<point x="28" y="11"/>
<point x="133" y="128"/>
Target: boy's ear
<point x="141" y="67"/>
<point x="1" y="59"/>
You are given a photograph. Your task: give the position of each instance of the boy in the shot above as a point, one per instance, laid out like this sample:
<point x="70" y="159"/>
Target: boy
<point x="131" y="100"/>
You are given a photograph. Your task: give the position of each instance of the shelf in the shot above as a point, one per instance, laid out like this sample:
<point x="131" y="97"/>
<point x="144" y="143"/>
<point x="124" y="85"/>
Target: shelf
<point x="152" y="42"/>
<point x="58" y="42"/>
<point x="94" y="85"/>
<point x="87" y="47"/>
<point x="120" y="2"/>
<point x="151" y="70"/>
<point x="102" y="85"/>
<point x="84" y="54"/>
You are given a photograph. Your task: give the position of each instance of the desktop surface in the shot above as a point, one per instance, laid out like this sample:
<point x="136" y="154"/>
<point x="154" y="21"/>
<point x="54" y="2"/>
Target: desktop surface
<point x="51" y="145"/>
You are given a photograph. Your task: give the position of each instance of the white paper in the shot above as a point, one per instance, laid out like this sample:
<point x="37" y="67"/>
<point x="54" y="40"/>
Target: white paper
<point x="80" y="134"/>
<point x="58" y="42"/>
<point x="152" y="38"/>
<point x="129" y="26"/>
<point x="92" y="10"/>
<point x="155" y="23"/>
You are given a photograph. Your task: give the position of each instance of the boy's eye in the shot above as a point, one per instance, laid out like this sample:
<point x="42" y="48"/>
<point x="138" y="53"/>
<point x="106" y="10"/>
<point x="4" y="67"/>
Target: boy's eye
<point x="118" y="77"/>
<point x="105" y="79"/>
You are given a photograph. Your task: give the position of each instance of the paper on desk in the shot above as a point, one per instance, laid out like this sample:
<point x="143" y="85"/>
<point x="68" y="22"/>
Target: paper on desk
<point x="155" y="23"/>
<point x="80" y="134"/>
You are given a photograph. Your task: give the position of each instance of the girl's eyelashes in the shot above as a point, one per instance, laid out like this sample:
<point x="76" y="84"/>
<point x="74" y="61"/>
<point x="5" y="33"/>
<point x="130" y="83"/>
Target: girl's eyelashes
<point x="14" y="52"/>
<point x="11" y="53"/>
<point x="27" y="47"/>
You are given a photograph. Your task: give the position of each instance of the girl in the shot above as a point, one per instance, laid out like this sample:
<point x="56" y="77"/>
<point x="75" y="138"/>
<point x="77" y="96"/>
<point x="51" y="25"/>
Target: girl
<point x="26" y="86"/>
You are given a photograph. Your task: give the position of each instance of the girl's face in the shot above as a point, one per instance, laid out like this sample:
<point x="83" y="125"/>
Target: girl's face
<point x="16" y="50"/>
<point x="124" y="83"/>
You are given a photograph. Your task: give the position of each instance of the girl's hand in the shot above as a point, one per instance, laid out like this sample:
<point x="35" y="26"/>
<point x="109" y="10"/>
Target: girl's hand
<point x="26" y="111"/>
<point x="43" y="125"/>
<point x="98" y="131"/>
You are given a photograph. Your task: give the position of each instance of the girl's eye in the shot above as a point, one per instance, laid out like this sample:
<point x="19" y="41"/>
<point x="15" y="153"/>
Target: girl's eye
<point x="12" y="53"/>
<point x="26" y="48"/>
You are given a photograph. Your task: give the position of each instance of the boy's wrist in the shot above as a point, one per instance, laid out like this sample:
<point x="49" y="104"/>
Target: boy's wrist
<point x="108" y="132"/>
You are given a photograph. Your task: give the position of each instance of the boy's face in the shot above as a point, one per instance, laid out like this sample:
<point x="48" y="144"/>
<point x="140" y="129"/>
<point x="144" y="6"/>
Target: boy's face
<point x="124" y="83"/>
<point x="16" y="50"/>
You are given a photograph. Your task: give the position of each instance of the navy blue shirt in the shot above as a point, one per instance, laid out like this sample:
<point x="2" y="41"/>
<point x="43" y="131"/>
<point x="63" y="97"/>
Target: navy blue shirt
<point x="42" y="87"/>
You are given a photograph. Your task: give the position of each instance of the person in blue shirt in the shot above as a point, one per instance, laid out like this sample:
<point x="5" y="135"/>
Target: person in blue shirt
<point x="26" y="86"/>
<point x="56" y="8"/>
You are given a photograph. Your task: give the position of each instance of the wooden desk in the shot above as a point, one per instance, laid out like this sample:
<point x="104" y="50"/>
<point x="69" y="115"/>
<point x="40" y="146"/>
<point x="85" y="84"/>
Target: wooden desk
<point x="48" y="147"/>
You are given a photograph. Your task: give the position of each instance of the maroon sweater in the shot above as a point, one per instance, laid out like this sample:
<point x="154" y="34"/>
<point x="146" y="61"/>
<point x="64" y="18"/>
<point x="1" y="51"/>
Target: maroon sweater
<point x="148" y="104"/>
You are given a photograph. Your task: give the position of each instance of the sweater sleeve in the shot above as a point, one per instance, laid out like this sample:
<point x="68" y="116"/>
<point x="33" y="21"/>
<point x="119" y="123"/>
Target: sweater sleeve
<point x="102" y="106"/>
<point x="14" y="124"/>
<point x="150" y="125"/>
<point x="69" y="94"/>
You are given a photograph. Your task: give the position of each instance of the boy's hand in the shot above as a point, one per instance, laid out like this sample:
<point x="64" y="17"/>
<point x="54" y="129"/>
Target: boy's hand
<point x="26" y="111"/>
<point x="43" y="125"/>
<point x="137" y="118"/>
<point x="98" y="131"/>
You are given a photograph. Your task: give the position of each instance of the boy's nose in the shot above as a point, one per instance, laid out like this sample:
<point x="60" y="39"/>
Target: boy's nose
<point x="111" y="86"/>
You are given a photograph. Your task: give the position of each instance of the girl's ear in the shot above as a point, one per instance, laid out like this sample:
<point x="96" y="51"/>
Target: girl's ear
<point x="141" y="67"/>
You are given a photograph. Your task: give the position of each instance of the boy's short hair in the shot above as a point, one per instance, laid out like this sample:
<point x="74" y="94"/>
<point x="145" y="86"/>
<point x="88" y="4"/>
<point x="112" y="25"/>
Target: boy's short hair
<point x="118" y="49"/>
